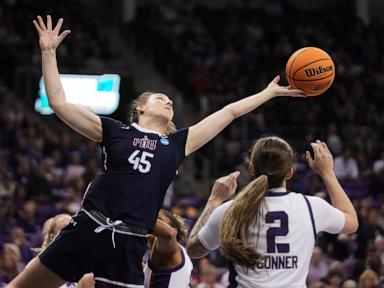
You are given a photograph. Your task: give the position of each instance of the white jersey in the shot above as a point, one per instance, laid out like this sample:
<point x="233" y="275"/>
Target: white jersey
<point x="286" y="238"/>
<point x="179" y="276"/>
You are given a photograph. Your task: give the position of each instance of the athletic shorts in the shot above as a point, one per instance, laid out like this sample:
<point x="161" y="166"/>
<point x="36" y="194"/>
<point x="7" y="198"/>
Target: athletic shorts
<point x="78" y="250"/>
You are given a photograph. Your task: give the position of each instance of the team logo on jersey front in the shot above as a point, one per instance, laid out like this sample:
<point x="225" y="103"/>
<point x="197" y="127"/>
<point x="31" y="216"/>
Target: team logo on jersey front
<point x="164" y="140"/>
<point x="145" y="143"/>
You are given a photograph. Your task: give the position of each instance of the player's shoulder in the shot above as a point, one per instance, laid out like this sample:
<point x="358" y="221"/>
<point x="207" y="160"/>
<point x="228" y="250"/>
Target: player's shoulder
<point x="310" y="198"/>
<point x="108" y="122"/>
<point x="223" y="207"/>
<point x="316" y="202"/>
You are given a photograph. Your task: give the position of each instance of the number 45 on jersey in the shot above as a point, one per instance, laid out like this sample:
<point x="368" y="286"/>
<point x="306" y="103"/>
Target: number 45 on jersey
<point x="140" y="162"/>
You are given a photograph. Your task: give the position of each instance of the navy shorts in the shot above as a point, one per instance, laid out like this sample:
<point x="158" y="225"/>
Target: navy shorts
<point x="78" y="250"/>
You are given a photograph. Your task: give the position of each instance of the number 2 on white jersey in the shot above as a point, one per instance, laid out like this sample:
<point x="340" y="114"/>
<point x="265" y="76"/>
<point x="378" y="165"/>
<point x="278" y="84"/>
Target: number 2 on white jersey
<point x="140" y="162"/>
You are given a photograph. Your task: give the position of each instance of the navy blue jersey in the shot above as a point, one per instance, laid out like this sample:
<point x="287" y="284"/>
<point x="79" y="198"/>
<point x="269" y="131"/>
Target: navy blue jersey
<point x="139" y="165"/>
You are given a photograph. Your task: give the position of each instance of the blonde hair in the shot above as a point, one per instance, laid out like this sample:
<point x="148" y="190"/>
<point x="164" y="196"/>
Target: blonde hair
<point x="270" y="161"/>
<point x="50" y="230"/>
<point x="368" y="274"/>
<point x="134" y="114"/>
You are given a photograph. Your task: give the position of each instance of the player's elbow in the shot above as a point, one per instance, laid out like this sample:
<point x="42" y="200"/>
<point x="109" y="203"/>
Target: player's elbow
<point x="351" y="224"/>
<point x="191" y="252"/>
<point x="195" y="249"/>
<point x="231" y="112"/>
<point x="189" y="248"/>
<point x="57" y="105"/>
<point x="355" y="226"/>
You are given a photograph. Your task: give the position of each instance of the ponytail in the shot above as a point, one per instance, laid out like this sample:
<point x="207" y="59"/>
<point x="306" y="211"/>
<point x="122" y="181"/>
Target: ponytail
<point x="246" y="209"/>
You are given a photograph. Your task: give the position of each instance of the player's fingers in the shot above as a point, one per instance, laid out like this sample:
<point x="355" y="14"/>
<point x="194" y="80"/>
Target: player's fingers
<point x="309" y="158"/>
<point x="322" y="149"/>
<point x="296" y="93"/>
<point x="49" y="22"/>
<point x="37" y="27"/>
<point x="316" y="151"/>
<point x="58" y="25"/>
<point x="235" y="174"/>
<point x="276" y="79"/>
<point x="41" y="23"/>
<point x="326" y="147"/>
<point x="63" y="35"/>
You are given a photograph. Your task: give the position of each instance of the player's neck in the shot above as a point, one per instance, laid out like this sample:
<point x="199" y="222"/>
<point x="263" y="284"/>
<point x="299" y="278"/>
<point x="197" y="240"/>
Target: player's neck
<point x="149" y="124"/>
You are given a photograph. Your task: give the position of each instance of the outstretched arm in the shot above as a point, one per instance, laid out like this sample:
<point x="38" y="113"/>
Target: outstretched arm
<point x="77" y="117"/>
<point x="223" y="189"/>
<point x="202" y="132"/>
<point x="323" y="165"/>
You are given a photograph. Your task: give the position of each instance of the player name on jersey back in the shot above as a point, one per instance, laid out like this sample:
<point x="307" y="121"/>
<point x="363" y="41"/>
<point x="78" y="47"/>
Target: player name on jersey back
<point x="278" y="262"/>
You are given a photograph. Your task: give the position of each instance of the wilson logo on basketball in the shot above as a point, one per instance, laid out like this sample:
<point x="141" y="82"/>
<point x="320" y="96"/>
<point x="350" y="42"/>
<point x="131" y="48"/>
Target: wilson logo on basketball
<point x="318" y="70"/>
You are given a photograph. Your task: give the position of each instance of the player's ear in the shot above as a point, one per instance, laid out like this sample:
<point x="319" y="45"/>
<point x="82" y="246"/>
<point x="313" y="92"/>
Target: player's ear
<point x="140" y="109"/>
<point x="290" y="174"/>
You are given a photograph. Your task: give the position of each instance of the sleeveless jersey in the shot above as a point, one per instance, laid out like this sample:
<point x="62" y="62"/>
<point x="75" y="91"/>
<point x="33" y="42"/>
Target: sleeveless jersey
<point x="286" y="238"/>
<point x="139" y="165"/>
<point x="179" y="276"/>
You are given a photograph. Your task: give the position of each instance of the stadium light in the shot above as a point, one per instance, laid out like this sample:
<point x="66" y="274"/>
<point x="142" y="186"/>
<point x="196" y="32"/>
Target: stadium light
<point x="98" y="93"/>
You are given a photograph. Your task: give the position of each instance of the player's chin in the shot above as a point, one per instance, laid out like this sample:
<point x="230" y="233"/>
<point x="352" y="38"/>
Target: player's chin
<point x="168" y="115"/>
<point x="165" y="116"/>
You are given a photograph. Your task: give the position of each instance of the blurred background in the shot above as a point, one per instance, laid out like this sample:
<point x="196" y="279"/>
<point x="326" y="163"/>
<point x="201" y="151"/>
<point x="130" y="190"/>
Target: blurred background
<point x="203" y="55"/>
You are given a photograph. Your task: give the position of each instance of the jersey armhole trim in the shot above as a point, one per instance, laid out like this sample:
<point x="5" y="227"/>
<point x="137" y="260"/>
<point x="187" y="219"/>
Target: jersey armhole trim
<point x="311" y="215"/>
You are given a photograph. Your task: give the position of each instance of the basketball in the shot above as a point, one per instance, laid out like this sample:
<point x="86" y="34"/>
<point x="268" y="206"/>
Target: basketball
<point x="311" y="70"/>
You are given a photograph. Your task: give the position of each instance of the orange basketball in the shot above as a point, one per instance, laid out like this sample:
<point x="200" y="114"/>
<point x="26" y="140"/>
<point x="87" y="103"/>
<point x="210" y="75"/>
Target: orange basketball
<point x="311" y="70"/>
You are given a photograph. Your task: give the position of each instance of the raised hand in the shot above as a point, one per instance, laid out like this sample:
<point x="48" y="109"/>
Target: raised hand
<point x="322" y="163"/>
<point x="278" y="90"/>
<point x="224" y="188"/>
<point x="49" y="39"/>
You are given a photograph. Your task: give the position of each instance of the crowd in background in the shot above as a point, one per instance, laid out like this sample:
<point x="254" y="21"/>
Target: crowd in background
<point x="214" y="57"/>
<point x="91" y="45"/>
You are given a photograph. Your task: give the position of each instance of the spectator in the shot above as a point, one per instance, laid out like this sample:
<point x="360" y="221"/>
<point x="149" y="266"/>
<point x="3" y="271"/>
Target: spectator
<point x="346" y="166"/>
<point x="18" y="237"/>
<point x="334" y="279"/>
<point x="318" y="268"/>
<point x="350" y="284"/>
<point x="7" y="185"/>
<point x="378" y="165"/>
<point x="209" y="278"/>
<point x="368" y="279"/>
<point x="334" y="141"/>
<point x="10" y="263"/>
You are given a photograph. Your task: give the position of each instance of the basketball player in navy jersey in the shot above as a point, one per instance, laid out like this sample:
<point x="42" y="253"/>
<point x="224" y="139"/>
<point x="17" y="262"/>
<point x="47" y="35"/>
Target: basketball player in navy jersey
<point x="169" y="264"/>
<point x="120" y="206"/>
<point x="267" y="232"/>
